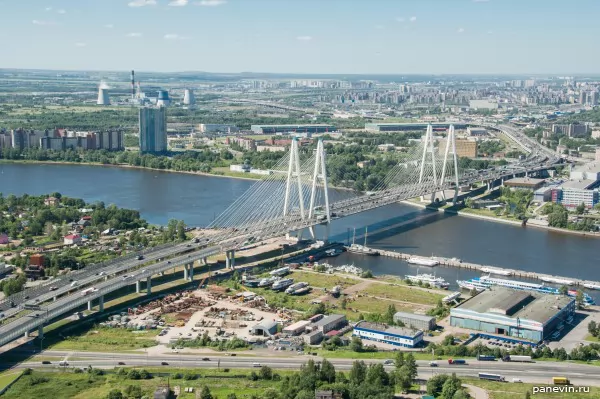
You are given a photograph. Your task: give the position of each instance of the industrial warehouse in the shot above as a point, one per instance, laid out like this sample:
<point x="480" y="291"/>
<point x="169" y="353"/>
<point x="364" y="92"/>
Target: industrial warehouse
<point x="520" y="314"/>
<point x="397" y="336"/>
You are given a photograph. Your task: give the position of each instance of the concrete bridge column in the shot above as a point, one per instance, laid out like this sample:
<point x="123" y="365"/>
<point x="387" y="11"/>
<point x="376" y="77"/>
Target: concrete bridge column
<point x="55" y="298"/>
<point x="90" y="306"/>
<point x="205" y="261"/>
<point x="41" y="331"/>
<point x="137" y="287"/>
<point x="26" y="334"/>
<point x="101" y="303"/>
<point x="227" y="260"/>
<point x="148" y="285"/>
<point x="191" y="272"/>
<point x="186" y="272"/>
<point x="232" y="259"/>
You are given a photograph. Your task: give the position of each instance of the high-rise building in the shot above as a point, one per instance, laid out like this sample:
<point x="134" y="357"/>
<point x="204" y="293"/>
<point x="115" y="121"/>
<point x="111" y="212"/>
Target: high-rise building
<point x="153" y="129"/>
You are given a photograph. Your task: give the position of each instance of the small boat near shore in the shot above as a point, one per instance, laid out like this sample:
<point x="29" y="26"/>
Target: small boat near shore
<point x="416" y="260"/>
<point x="556" y="280"/>
<point x="591" y="286"/>
<point x="493" y="270"/>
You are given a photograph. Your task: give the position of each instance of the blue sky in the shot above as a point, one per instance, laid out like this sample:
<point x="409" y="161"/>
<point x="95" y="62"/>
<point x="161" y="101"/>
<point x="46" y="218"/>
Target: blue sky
<point x="303" y="36"/>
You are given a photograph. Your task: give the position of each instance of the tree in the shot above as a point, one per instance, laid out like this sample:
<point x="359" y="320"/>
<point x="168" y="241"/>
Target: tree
<point x="436" y="384"/>
<point x="580" y="209"/>
<point x="180" y="230"/>
<point x="114" y="394"/>
<point x="344" y="303"/>
<point x="461" y="394"/>
<point x="358" y="372"/>
<point x="579" y="299"/>
<point x="404" y="378"/>
<point x="593" y="328"/>
<point x="527" y="395"/>
<point x="451" y="386"/>
<point x="205" y="393"/>
<point x="399" y="359"/>
<point x="231" y="396"/>
<point x="563" y="290"/>
<point x="265" y="373"/>
<point x="271" y="393"/>
<point x="411" y="365"/>
<point x="327" y="372"/>
<point x="389" y="314"/>
<point x="133" y="392"/>
<point x="356" y="344"/>
<point x="376" y="375"/>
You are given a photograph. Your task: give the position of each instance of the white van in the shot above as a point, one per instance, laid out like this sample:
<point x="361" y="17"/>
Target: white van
<point x="74" y="283"/>
<point x="63" y="363"/>
<point x="256" y="365"/>
<point x="517" y="380"/>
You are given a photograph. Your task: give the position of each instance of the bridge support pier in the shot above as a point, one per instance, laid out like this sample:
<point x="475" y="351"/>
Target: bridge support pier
<point x="55" y="298"/>
<point x="90" y="306"/>
<point x="101" y="303"/>
<point x="26" y="334"/>
<point x="186" y="272"/>
<point x="148" y="285"/>
<point x="191" y="272"/>
<point x="41" y="331"/>
<point x="230" y="259"/>
<point x="137" y="287"/>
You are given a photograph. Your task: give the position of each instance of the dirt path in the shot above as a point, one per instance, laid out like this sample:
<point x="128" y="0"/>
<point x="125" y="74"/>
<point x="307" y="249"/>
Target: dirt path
<point x="476" y="392"/>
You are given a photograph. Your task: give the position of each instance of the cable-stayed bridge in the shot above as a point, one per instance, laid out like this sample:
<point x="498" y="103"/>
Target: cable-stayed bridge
<point x="294" y="197"/>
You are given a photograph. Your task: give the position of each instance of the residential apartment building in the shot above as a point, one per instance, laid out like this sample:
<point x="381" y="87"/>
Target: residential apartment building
<point x="246" y="143"/>
<point x="153" y="129"/>
<point x="571" y="130"/>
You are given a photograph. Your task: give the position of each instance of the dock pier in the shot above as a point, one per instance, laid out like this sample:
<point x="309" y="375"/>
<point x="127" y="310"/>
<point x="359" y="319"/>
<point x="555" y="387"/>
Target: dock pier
<point x="453" y="262"/>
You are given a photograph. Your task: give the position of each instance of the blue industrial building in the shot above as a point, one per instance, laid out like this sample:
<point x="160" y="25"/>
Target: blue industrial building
<point x="398" y="336"/>
<point x="525" y="315"/>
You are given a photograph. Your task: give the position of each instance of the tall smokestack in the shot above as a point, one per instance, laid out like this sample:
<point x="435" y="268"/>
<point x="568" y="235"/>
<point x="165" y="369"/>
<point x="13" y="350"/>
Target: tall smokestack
<point x="132" y="84"/>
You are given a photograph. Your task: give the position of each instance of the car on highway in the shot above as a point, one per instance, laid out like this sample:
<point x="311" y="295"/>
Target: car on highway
<point x="121" y="363"/>
<point x="140" y="257"/>
<point x="53" y="288"/>
<point x="256" y="365"/>
<point x="433" y="364"/>
<point x="46" y="362"/>
<point x="206" y="359"/>
<point x="388" y="362"/>
<point x="125" y="277"/>
<point x="164" y="363"/>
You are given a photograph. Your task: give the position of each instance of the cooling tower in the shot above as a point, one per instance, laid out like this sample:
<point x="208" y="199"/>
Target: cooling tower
<point x="188" y="97"/>
<point x="163" y="98"/>
<point x="103" y="98"/>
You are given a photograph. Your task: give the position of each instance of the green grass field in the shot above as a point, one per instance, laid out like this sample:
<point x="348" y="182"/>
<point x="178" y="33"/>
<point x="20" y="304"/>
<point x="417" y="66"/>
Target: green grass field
<point x="503" y="390"/>
<point x="404" y="293"/>
<point x="84" y="386"/>
<point x="323" y="280"/>
<point x="107" y="339"/>
<point x="8" y="377"/>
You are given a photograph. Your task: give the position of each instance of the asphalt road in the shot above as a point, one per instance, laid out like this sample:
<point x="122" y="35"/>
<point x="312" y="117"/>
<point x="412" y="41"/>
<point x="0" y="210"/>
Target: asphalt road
<point x="539" y="372"/>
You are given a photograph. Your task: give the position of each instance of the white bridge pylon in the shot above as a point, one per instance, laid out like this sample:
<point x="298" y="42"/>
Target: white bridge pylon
<point x="429" y="163"/>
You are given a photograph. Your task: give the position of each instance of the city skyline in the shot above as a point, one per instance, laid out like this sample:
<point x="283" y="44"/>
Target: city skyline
<point x="309" y="37"/>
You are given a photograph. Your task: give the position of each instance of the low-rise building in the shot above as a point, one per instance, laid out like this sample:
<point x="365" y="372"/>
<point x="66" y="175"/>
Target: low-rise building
<point x="331" y="322"/>
<point x="36" y="260"/>
<point x="72" y="239"/>
<point x="270" y="148"/>
<point x="476" y="131"/>
<point x="588" y="171"/>
<point x="265" y="328"/>
<point x="416" y="321"/>
<point x="397" y="336"/>
<point x="296" y="328"/>
<point x="327" y="395"/>
<point x="524" y="183"/>
<point x="51" y="201"/>
<point x="464" y="147"/>
<point x="313" y="337"/>
<point x="314" y="128"/>
<point x="217" y="128"/>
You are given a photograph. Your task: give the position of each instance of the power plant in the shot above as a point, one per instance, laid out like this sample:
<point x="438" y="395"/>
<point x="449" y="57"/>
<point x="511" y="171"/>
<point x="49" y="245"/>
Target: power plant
<point x="188" y="97"/>
<point x="163" y="98"/>
<point x="103" y="97"/>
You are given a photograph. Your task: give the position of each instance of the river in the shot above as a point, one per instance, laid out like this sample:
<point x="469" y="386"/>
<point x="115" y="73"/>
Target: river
<point x="161" y="196"/>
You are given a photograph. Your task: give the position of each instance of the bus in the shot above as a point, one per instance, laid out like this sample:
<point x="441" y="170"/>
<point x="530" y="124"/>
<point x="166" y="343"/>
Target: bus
<point x="491" y="377"/>
<point x="88" y="291"/>
<point x="560" y="381"/>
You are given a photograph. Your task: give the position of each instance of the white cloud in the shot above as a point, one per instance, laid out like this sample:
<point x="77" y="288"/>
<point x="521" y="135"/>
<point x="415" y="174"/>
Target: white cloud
<point x="174" y="36"/>
<point x="38" y="22"/>
<point x="178" y="3"/>
<point x="109" y="26"/>
<point x="62" y="11"/>
<point x="134" y="34"/>
<point x="480" y="1"/>
<point x="460" y="30"/>
<point x="380" y="27"/>
<point x="48" y="8"/>
<point x="400" y="19"/>
<point x="490" y="32"/>
<point x="304" y="38"/>
<point x="141" y="3"/>
<point x="412" y="19"/>
<point x="79" y="44"/>
<point x="210" y="3"/>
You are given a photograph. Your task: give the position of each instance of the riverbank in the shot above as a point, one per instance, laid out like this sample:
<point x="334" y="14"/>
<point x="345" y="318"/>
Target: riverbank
<point x="125" y="166"/>
<point x="505" y="221"/>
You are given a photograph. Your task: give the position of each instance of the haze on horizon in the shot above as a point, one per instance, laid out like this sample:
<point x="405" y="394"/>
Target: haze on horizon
<point x="303" y="37"/>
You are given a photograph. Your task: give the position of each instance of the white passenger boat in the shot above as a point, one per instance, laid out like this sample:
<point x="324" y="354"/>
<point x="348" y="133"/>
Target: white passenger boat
<point x="415" y="260"/>
<point x="493" y="270"/>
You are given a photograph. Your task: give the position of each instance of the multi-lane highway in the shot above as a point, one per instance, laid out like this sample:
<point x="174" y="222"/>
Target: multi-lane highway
<point x="540" y="372"/>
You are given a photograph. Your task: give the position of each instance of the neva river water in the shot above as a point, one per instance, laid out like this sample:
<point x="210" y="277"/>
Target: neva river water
<point x="161" y="196"/>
